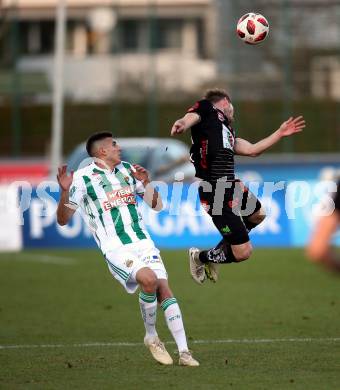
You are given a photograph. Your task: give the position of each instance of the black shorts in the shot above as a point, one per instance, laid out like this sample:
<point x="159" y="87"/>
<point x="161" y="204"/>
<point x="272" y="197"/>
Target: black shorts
<point x="229" y="204"/>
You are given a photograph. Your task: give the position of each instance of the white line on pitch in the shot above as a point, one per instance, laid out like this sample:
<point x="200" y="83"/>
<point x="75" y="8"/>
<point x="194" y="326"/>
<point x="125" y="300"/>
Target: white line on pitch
<point x="223" y="341"/>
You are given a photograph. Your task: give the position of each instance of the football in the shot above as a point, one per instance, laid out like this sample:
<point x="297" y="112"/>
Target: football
<point x="252" y="28"/>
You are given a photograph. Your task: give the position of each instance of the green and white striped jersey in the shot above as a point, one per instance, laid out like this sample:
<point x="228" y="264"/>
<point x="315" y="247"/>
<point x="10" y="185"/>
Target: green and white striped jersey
<point x="107" y="201"/>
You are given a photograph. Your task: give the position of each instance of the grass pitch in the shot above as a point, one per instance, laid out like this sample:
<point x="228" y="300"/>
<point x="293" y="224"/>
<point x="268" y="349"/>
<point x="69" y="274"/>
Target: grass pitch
<point x="270" y="323"/>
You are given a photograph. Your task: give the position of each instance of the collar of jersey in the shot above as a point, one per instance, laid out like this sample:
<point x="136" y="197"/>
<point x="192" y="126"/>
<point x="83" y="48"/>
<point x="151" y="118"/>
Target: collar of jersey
<point x="97" y="169"/>
<point x="220" y="111"/>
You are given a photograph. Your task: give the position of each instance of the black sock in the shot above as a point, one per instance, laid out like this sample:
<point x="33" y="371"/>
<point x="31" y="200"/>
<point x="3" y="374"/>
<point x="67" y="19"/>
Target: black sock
<point x="205" y="256"/>
<point x="221" y="254"/>
<point x="228" y="254"/>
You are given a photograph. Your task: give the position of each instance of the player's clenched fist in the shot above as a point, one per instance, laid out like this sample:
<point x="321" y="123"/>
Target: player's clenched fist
<point x="140" y="173"/>
<point x="178" y="127"/>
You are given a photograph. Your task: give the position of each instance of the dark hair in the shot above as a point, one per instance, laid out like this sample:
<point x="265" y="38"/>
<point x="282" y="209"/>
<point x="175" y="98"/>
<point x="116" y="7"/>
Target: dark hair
<point x="96" y="137"/>
<point x="215" y="95"/>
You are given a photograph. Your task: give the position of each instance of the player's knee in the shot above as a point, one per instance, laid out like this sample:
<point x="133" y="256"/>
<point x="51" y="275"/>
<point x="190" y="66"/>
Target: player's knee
<point x="259" y="216"/>
<point x="243" y="254"/>
<point x="148" y="281"/>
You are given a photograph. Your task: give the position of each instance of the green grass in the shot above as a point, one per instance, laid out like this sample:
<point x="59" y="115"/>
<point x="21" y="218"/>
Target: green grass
<point x="275" y="295"/>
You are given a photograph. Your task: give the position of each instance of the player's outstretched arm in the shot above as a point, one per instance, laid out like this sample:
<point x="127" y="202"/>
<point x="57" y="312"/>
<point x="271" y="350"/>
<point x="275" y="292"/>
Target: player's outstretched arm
<point x="287" y="128"/>
<point x="151" y="196"/>
<point x="64" y="211"/>
<point x="185" y="123"/>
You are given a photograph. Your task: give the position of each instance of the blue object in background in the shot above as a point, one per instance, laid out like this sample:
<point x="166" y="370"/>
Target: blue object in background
<point x="294" y="169"/>
<point x="181" y="225"/>
<point x="40" y="229"/>
<point x="184" y="223"/>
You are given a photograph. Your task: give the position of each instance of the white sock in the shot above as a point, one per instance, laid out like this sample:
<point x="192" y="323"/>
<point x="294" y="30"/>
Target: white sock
<point x="148" y="308"/>
<point x="173" y="318"/>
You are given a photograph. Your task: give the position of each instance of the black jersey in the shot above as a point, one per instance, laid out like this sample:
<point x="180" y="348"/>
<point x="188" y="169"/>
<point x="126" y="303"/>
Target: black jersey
<point x="213" y="140"/>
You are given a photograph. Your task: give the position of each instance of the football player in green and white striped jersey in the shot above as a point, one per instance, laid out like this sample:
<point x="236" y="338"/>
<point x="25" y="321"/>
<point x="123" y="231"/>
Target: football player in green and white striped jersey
<point x="105" y="193"/>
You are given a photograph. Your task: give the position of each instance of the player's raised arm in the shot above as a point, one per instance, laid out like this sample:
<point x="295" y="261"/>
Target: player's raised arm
<point x="64" y="211"/>
<point x="151" y="196"/>
<point x="287" y="128"/>
<point x="181" y="125"/>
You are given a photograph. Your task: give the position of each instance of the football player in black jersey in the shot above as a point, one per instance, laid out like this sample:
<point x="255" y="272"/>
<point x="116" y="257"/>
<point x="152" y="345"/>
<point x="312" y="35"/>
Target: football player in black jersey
<point x="319" y="248"/>
<point x="233" y="209"/>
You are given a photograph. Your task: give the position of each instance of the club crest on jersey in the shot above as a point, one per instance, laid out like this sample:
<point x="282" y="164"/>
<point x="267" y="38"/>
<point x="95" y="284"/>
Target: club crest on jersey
<point x="129" y="263"/>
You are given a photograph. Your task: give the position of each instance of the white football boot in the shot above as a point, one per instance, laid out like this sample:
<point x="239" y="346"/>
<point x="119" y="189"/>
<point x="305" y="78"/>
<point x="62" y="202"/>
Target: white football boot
<point x="196" y="266"/>
<point x="186" y="359"/>
<point x="158" y="350"/>
<point x="211" y="271"/>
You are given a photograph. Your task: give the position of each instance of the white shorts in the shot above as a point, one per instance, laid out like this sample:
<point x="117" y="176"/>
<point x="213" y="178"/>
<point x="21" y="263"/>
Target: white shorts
<point x="129" y="259"/>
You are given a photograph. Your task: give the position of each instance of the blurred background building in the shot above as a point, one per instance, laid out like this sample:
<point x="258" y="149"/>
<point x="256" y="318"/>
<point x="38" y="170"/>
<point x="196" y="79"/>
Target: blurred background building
<point x="133" y="66"/>
<point x="118" y="47"/>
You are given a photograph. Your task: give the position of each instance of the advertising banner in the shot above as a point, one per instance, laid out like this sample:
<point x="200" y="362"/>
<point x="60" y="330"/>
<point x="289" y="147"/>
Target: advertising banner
<point x="183" y="223"/>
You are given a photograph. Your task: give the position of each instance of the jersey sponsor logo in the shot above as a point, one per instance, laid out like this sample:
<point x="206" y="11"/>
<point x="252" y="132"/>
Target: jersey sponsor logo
<point x="204" y="152"/>
<point x="231" y="139"/>
<point x="152" y="259"/>
<point x="121" y="197"/>
<point x="228" y="138"/>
